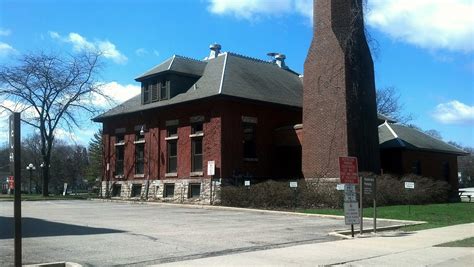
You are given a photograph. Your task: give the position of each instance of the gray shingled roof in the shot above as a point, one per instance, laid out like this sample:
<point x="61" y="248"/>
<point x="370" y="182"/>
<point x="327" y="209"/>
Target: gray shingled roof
<point x="228" y="74"/>
<point x="400" y="136"/>
<point x="176" y="64"/>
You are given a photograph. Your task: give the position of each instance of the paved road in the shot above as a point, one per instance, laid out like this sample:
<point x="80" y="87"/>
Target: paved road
<point x="101" y="234"/>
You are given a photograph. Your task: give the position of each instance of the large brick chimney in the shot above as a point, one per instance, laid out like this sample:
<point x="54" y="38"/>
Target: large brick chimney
<point x="339" y="109"/>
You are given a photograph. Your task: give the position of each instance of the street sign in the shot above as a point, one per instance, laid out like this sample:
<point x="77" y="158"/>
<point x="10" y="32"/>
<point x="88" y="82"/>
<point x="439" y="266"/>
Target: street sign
<point x="340" y="187"/>
<point x="350" y="193"/>
<point x="351" y="213"/>
<point x="211" y="168"/>
<point x="293" y="184"/>
<point x="409" y="185"/>
<point x="369" y="186"/>
<point x="348" y="170"/>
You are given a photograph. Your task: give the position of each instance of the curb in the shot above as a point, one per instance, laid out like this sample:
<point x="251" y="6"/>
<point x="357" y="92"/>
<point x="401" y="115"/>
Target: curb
<point x="346" y="234"/>
<point x="208" y="207"/>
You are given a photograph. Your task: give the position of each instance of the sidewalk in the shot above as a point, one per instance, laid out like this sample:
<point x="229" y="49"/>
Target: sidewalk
<point x="385" y="249"/>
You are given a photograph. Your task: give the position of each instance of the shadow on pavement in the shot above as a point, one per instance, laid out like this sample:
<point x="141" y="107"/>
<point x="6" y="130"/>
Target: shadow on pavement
<point x="32" y="227"/>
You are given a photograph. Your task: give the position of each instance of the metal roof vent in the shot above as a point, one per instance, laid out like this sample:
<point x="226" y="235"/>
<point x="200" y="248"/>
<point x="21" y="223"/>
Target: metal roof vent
<point x="215" y="50"/>
<point x="278" y="59"/>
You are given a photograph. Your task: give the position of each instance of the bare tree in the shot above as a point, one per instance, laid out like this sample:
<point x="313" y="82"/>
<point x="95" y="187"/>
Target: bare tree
<point x="434" y="133"/>
<point x="388" y="104"/>
<point x="52" y="92"/>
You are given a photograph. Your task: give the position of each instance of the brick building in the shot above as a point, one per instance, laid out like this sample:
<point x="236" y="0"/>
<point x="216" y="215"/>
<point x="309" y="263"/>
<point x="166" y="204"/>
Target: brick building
<point x="245" y="115"/>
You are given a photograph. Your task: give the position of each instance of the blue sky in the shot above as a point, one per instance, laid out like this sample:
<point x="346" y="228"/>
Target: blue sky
<point x="425" y="47"/>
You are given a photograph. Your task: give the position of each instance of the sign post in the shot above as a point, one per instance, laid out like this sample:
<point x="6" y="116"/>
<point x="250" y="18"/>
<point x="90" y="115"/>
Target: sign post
<point x="410" y="186"/>
<point x="370" y="191"/>
<point x="348" y="172"/>
<point x="211" y="171"/>
<point x="15" y="170"/>
<point x="294" y="185"/>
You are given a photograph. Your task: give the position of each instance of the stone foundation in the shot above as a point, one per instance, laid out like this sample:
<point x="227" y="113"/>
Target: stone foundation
<point x="156" y="190"/>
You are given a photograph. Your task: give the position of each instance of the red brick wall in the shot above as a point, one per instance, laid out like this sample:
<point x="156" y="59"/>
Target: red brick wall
<point x="222" y="141"/>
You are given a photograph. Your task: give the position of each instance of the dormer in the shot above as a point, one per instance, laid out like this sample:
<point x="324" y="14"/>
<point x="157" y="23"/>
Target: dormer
<point x="170" y="78"/>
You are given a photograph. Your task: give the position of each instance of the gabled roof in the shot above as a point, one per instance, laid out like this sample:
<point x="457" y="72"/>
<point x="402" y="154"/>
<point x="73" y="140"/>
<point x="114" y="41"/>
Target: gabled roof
<point x="400" y="136"/>
<point x="178" y="64"/>
<point x="228" y="74"/>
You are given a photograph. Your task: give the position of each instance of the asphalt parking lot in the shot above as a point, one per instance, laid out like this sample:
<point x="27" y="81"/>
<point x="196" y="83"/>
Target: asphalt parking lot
<point x="95" y="233"/>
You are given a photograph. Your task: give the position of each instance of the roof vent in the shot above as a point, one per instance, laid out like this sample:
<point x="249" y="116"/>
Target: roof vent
<point x="278" y="59"/>
<point x="215" y="50"/>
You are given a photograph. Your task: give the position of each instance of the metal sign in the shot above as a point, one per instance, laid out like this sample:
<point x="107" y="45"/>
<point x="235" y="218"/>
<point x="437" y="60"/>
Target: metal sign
<point x="409" y="185"/>
<point x="369" y="186"/>
<point x="211" y="168"/>
<point x="340" y="187"/>
<point x="351" y="213"/>
<point x="293" y="184"/>
<point x="350" y="193"/>
<point x="348" y="170"/>
<point x="247" y="182"/>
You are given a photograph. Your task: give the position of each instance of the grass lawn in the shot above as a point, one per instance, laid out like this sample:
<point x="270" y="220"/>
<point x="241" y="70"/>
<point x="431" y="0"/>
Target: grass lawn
<point x="39" y="197"/>
<point x="437" y="215"/>
<point x="468" y="242"/>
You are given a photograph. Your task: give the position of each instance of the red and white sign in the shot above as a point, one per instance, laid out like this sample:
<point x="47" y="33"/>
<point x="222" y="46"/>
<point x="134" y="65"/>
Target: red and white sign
<point x="348" y="170"/>
<point x="11" y="182"/>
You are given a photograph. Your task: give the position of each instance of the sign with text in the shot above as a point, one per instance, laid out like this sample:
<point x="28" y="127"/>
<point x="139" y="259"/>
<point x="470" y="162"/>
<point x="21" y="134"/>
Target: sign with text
<point x="340" y="187"/>
<point x="211" y="168"/>
<point x="409" y="185"/>
<point x="348" y="170"/>
<point x="369" y="186"/>
<point x="351" y="213"/>
<point x="293" y="184"/>
<point x="350" y="193"/>
<point x="247" y="182"/>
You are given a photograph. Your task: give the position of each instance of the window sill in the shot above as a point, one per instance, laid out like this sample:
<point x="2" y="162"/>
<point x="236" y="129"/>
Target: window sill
<point x="194" y="174"/>
<point x="139" y="142"/>
<point x="196" y="135"/>
<point x="251" y="159"/>
<point x="139" y="175"/>
<point x="171" y="174"/>
<point x="171" y="138"/>
<point x="119" y="176"/>
<point x="120" y="144"/>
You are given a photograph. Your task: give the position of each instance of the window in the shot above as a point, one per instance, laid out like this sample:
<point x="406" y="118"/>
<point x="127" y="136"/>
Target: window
<point x="168" y="190"/>
<point x="194" y="190"/>
<point x="196" y="128"/>
<point x="446" y="170"/>
<point x="416" y="167"/>
<point x="116" y="189"/>
<point x="136" y="190"/>
<point x="139" y="158"/>
<point x="146" y="93"/>
<point x="249" y="140"/>
<point x="172" y="156"/>
<point x="164" y="89"/>
<point x="139" y="136"/>
<point x="119" y="154"/>
<point x="154" y="91"/>
<point x="172" y="131"/>
<point x="196" y="157"/>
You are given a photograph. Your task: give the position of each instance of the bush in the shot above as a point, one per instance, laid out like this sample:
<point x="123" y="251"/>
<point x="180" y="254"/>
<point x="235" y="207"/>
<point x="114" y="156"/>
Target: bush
<point x="318" y="193"/>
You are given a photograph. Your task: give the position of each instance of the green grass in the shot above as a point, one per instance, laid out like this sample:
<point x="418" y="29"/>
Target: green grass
<point x="39" y="197"/>
<point x="468" y="242"/>
<point x="437" y="215"/>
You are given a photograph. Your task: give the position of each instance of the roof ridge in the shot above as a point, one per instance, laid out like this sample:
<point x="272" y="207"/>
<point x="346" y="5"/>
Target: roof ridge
<point x="250" y="58"/>
<point x="441" y="140"/>
<point x="189" y="58"/>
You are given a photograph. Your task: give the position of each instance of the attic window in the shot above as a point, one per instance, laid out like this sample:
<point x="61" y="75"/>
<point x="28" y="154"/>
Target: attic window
<point x="164" y="89"/>
<point x="146" y="93"/>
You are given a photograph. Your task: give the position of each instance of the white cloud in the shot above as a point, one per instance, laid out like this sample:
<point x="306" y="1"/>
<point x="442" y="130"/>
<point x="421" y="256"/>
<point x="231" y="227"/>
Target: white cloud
<point x="156" y="53"/>
<point x="249" y="9"/>
<point x="5" y="32"/>
<point x="79" y="43"/>
<point x="141" y="52"/>
<point x="117" y="92"/>
<point x="6" y="49"/>
<point x="454" y="112"/>
<point x="431" y="24"/>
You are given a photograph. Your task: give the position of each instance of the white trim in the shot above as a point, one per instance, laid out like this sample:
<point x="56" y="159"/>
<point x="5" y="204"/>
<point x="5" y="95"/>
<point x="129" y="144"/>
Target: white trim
<point x="139" y="175"/>
<point x="171" y="174"/>
<point x="139" y="142"/>
<point x="223" y="72"/>
<point x="171" y="138"/>
<point x="196" y="135"/>
<point x="394" y="134"/>
<point x="171" y="63"/>
<point x="195" y="174"/>
<point x="120" y="144"/>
